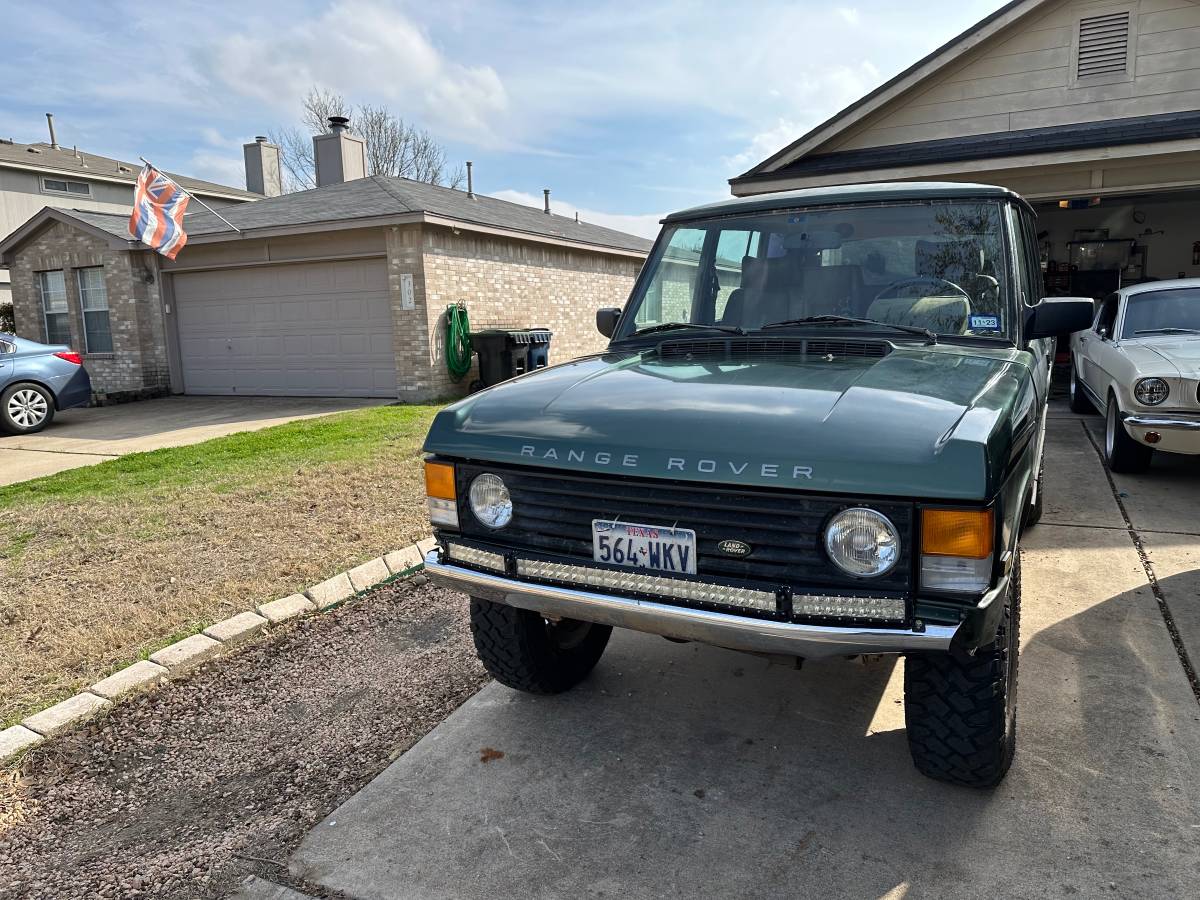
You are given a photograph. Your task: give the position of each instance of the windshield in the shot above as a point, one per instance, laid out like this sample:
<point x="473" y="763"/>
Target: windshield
<point x="1162" y="312"/>
<point x="939" y="267"/>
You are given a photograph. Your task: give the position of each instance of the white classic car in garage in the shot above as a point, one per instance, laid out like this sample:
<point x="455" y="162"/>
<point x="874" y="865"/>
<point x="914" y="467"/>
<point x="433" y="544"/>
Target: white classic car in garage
<point x="1139" y="365"/>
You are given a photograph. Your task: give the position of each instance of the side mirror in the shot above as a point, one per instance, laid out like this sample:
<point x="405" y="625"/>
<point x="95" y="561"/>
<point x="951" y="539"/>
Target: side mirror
<point x="1058" y="315"/>
<point x="606" y="321"/>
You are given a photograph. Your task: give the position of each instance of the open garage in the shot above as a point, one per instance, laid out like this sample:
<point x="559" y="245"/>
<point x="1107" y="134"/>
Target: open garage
<point x="305" y="329"/>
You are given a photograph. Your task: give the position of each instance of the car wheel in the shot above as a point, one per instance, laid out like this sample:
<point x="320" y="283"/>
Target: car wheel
<point x="961" y="714"/>
<point x="26" y="409"/>
<point x="528" y="652"/>
<point x="1076" y="399"/>
<point x="1121" y="452"/>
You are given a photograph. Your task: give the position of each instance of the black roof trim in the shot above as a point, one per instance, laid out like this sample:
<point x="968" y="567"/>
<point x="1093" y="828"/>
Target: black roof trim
<point x="885" y="192"/>
<point x="1081" y="136"/>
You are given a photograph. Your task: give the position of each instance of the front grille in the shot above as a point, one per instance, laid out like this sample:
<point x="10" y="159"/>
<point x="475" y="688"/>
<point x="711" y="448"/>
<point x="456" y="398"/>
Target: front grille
<point x="740" y="349"/>
<point x="553" y="514"/>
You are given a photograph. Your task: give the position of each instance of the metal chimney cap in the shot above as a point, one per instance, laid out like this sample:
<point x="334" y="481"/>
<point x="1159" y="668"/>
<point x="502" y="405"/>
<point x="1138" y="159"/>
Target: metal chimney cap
<point x="260" y="138"/>
<point x="338" y="124"/>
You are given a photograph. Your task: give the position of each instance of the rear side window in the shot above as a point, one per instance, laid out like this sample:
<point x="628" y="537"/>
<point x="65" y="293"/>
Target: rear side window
<point x="6" y="347"/>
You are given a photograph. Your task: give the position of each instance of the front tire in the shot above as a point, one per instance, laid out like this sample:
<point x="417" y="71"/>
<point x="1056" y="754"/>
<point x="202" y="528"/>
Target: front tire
<point x="529" y="653"/>
<point x="25" y="409"/>
<point x="961" y="714"/>
<point x="1076" y="399"/>
<point x="1121" y="452"/>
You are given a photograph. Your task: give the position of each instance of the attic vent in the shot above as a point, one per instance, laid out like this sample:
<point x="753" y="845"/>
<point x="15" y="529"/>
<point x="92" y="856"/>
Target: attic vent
<point x="741" y="349"/>
<point x="1103" y="45"/>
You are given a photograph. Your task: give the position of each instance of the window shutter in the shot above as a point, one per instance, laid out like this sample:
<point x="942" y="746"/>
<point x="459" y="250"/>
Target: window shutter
<point x="1103" y="44"/>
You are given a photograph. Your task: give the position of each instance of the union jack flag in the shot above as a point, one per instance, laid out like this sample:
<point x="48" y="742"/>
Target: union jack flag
<point x="158" y="208"/>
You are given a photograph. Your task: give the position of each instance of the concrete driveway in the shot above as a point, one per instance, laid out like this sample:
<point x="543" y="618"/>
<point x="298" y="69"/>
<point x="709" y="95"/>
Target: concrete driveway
<point x="691" y="771"/>
<point x="82" y="437"/>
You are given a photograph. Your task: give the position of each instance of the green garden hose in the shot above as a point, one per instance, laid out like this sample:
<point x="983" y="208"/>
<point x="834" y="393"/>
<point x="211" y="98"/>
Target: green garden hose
<point x="458" y="341"/>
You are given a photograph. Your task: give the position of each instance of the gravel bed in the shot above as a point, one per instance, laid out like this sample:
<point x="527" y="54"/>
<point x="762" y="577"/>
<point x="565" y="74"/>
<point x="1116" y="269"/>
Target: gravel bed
<point x="183" y="792"/>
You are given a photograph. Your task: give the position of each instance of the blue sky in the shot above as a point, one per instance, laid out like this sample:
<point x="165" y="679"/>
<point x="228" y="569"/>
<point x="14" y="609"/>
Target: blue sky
<point x="625" y="110"/>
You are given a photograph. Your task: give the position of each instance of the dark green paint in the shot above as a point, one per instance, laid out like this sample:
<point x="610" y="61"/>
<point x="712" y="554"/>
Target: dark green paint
<point x="923" y="422"/>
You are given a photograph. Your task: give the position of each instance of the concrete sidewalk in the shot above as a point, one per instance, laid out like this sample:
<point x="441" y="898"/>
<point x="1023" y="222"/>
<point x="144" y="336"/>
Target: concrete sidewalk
<point x="83" y="437"/>
<point x="691" y="771"/>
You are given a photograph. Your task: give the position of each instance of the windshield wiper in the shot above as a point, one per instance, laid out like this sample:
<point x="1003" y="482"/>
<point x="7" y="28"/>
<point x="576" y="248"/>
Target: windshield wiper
<point x="929" y="336"/>
<point x="1169" y="330"/>
<point x="671" y="326"/>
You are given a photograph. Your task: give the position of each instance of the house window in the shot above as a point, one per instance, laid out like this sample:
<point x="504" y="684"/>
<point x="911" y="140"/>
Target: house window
<point x="53" y="288"/>
<point x="1102" y="46"/>
<point x="63" y="186"/>
<point x="93" y="298"/>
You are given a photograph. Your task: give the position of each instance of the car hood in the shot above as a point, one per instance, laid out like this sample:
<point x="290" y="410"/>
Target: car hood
<point x="1181" y="353"/>
<point x="931" y="422"/>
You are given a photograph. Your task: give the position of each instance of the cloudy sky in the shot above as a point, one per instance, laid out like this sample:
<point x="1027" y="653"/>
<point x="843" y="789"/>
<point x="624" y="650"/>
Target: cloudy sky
<point x="626" y="110"/>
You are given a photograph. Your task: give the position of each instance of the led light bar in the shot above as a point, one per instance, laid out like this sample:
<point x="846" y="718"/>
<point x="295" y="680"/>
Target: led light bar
<point x="889" y="609"/>
<point x="471" y="556"/>
<point x="672" y="588"/>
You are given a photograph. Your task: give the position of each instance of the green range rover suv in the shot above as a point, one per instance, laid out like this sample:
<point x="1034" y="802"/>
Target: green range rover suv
<point x="816" y="431"/>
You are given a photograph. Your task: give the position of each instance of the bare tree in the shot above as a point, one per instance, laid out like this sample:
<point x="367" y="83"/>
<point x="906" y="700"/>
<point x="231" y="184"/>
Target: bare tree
<point x="394" y="147"/>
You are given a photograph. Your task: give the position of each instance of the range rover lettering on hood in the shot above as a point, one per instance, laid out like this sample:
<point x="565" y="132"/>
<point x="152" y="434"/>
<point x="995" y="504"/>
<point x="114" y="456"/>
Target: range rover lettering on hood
<point x="666" y="464"/>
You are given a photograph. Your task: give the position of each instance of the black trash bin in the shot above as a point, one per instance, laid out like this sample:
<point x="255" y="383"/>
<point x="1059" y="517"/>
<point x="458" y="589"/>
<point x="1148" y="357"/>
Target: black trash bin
<point x="505" y="353"/>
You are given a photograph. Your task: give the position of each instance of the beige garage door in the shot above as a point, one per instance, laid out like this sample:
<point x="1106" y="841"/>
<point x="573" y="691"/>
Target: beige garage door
<point x="305" y="330"/>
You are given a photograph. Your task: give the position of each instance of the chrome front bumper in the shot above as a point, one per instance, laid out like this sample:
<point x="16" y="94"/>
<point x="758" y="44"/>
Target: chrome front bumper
<point x="720" y="629"/>
<point x="1165" y="421"/>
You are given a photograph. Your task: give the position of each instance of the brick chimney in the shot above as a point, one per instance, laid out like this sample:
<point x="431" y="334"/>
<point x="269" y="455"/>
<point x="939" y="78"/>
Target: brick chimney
<point x="340" y="156"/>
<point x="262" y="168"/>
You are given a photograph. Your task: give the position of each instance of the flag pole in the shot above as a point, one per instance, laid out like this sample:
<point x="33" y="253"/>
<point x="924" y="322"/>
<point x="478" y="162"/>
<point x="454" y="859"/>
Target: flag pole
<point x="190" y="194"/>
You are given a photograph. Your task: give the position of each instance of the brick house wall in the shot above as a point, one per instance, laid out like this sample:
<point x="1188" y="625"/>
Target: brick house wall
<point x="137" y="365"/>
<point x="504" y="282"/>
<point x="513" y="283"/>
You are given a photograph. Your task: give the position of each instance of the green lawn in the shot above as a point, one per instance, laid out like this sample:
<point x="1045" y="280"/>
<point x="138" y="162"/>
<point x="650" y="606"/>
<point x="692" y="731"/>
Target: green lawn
<point x="101" y="565"/>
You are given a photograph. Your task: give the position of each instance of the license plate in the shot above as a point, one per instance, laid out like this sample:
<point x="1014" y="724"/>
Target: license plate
<point x="644" y="546"/>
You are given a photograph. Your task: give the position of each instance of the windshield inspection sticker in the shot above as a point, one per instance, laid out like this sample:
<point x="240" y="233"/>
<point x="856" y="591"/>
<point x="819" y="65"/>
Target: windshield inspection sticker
<point x="983" y="323"/>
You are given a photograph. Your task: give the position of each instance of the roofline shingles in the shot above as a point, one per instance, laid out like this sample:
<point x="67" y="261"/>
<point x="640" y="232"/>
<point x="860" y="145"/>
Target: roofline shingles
<point x="376" y="197"/>
<point x="1056" y="138"/>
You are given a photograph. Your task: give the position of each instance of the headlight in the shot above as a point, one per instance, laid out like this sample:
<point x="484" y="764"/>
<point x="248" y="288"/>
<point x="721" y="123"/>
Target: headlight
<point x="1151" y="391"/>
<point x="490" y="501"/>
<point x="862" y="542"/>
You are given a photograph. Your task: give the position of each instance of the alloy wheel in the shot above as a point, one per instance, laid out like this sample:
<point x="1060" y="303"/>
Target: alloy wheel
<point x="28" y="408"/>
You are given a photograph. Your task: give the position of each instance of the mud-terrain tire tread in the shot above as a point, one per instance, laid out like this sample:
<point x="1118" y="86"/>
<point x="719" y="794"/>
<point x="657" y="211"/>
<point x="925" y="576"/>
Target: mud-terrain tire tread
<point x="514" y="647"/>
<point x="955" y="710"/>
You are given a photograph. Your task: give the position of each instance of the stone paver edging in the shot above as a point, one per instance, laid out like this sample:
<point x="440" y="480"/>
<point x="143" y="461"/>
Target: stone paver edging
<point x="195" y="650"/>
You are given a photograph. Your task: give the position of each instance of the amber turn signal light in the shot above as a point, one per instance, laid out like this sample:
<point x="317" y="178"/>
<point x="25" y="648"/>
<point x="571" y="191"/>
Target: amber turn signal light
<point x="957" y="532"/>
<point x="439" y="481"/>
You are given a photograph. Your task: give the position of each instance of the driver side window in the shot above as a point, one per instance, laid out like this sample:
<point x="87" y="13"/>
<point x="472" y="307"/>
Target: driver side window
<point x="1106" y="320"/>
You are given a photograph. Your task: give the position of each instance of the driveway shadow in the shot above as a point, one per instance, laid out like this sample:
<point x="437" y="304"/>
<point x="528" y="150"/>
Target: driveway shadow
<point x="692" y="771"/>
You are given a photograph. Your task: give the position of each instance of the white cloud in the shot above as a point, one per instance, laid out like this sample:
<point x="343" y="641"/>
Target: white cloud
<point x="217" y="167"/>
<point x="371" y="53"/>
<point x="645" y="226"/>
<point x="849" y="14"/>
